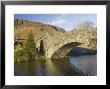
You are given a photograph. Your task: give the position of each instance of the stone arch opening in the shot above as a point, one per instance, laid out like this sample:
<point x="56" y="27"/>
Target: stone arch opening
<point x="64" y="50"/>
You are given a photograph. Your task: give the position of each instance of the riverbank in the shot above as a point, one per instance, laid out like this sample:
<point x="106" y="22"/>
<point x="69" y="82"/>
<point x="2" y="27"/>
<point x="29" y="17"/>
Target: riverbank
<point x="78" y="51"/>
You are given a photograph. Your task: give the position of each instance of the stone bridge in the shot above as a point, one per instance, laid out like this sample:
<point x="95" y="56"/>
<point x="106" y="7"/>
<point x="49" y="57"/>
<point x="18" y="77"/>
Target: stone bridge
<point x="81" y="38"/>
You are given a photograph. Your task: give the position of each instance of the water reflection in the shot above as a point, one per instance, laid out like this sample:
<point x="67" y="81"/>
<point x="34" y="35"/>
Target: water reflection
<point x="52" y="69"/>
<point x="63" y="67"/>
<point x="87" y="64"/>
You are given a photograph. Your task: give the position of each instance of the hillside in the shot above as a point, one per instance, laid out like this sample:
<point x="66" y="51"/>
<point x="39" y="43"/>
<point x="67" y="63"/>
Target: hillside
<point x="23" y="27"/>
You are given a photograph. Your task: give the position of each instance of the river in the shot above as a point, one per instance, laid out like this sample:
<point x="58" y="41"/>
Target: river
<point x="73" y="66"/>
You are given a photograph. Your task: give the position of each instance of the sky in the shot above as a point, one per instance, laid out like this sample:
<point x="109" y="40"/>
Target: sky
<point x="65" y="21"/>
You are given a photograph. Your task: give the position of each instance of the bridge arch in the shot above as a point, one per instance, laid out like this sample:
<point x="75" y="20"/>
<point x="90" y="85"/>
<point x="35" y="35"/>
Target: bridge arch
<point x="62" y="50"/>
<point x="84" y="38"/>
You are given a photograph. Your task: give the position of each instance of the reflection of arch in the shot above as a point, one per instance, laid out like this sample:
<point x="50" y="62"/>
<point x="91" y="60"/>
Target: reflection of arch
<point x="64" y="50"/>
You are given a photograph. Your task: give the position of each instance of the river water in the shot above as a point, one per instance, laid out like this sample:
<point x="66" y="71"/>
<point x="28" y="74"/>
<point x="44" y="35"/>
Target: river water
<point x="72" y="66"/>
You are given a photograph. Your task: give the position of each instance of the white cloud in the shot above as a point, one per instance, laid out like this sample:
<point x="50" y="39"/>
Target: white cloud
<point x="61" y="17"/>
<point x="57" y="22"/>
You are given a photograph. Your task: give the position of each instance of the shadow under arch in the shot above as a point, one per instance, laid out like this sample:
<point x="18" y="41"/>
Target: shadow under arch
<point x="64" y="50"/>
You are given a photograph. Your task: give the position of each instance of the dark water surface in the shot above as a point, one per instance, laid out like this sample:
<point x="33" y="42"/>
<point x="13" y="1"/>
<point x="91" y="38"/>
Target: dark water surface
<point x="73" y="66"/>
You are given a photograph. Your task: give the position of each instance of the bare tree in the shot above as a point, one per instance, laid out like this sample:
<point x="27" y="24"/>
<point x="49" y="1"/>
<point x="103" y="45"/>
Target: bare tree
<point x="86" y="25"/>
